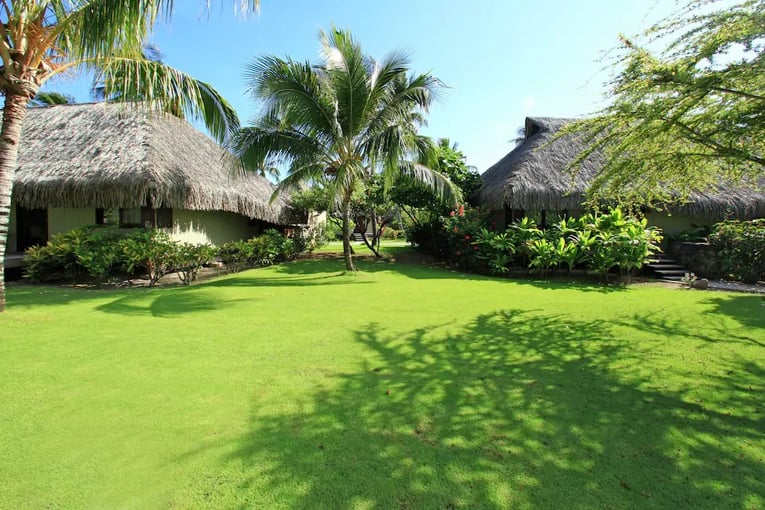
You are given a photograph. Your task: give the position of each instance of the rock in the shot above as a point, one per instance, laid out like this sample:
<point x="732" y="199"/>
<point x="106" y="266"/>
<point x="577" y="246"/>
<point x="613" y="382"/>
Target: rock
<point x="701" y="284"/>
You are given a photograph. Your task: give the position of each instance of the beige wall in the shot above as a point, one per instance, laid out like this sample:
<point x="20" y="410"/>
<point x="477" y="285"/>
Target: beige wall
<point x="213" y="227"/>
<point x="673" y="225"/>
<point x="59" y="220"/>
<point x="63" y="220"/>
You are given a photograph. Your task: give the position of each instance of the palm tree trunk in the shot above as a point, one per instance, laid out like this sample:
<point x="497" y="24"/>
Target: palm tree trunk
<point x="14" y="113"/>
<point x="347" y="233"/>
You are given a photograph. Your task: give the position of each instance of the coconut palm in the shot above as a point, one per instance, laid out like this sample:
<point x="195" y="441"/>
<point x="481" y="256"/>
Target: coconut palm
<point x="340" y="122"/>
<point x="41" y="39"/>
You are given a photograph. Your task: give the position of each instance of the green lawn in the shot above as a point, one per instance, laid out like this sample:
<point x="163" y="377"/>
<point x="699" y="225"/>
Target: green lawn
<point x="402" y="387"/>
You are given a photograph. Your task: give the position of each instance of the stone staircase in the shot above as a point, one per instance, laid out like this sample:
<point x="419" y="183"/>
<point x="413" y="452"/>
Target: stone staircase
<point x="665" y="267"/>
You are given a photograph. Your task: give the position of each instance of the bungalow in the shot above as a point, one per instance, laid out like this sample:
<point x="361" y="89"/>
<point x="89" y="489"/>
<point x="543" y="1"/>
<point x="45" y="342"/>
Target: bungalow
<point x="533" y="180"/>
<point x="87" y="164"/>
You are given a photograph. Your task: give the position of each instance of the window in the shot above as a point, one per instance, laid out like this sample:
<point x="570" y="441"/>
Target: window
<point x="133" y="217"/>
<point x="107" y="216"/>
<point x="146" y="217"/>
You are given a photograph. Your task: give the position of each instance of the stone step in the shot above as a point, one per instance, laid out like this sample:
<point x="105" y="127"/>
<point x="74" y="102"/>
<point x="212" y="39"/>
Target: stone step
<point x="656" y="267"/>
<point x="663" y="260"/>
<point x="663" y="273"/>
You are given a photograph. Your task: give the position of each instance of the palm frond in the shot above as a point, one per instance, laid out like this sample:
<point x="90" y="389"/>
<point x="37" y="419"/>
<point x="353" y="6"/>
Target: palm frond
<point x="258" y="147"/>
<point x="161" y="87"/>
<point x="93" y="29"/>
<point x="294" y="90"/>
<point x="437" y="181"/>
<point x="348" y="70"/>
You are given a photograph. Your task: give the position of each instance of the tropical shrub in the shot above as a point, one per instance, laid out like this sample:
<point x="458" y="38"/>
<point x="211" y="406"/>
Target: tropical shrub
<point x="101" y="253"/>
<point x="523" y="232"/>
<point x="392" y="234"/>
<point x="309" y="238"/>
<point x="429" y="237"/>
<point x="599" y="242"/>
<point x="236" y="255"/>
<point x="461" y="229"/>
<point x="92" y="251"/>
<point x="496" y="249"/>
<point x="151" y="251"/>
<point x="741" y="247"/>
<point x="268" y="248"/>
<point x="697" y="233"/>
<point x="55" y="260"/>
<point x="569" y="251"/>
<point x="542" y="254"/>
<point x="190" y="258"/>
<point x="619" y="241"/>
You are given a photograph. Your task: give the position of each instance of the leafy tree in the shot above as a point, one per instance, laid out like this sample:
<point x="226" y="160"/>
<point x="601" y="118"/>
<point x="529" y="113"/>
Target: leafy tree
<point x="688" y="118"/>
<point x="341" y="122"/>
<point x="420" y="202"/>
<point x="40" y="39"/>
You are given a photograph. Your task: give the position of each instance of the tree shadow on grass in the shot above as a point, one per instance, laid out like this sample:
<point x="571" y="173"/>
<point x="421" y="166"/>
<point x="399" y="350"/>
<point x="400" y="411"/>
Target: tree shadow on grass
<point x="431" y="272"/>
<point x="29" y="295"/>
<point x="747" y="309"/>
<point x="517" y="409"/>
<point x="304" y="280"/>
<point x="167" y="304"/>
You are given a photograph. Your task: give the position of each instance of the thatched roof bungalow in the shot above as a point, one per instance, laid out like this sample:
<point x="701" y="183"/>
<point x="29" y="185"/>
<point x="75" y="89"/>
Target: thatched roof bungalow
<point x="77" y="160"/>
<point x="533" y="177"/>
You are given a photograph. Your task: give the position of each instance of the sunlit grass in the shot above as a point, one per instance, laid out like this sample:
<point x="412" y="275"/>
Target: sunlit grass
<point x="400" y="387"/>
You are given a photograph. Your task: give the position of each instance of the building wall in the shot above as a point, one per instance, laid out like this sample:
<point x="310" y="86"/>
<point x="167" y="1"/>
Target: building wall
<point x="63" y="220"/>
<point x="673" y="225"/>
<point x="213" y="227"/>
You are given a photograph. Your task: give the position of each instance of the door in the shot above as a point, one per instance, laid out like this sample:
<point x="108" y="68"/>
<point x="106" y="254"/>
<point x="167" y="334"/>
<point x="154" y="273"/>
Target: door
<point x="31" y="227"/>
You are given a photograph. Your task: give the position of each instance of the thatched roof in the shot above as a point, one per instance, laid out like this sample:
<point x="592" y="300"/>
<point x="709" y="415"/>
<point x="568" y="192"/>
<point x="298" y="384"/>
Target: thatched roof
<point x="535" y="176"/>
<point x="110" y="156"/>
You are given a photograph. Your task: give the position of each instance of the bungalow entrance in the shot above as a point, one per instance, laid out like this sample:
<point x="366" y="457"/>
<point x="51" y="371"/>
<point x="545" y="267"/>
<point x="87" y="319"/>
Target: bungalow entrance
<point x="31" y="227"/>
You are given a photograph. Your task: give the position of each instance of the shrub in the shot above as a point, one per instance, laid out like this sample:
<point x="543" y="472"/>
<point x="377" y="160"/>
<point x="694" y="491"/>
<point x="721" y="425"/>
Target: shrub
<point x="151" y="251"/>
<point x="190" y="258"/>
<point x="542" y="254"/>
<point x="309" y="238"/>
<point x="429" y="237"/>
<point x="236" y="255"/>
<point x="268" y="248"/>
<point x="92" y="251"/>
<point x="496" y="249"/>
<point x="392" y="234"/>
<point x="462" y="228"/>
<point x="694" y="234"/>
<point x="619" y="240"/>
<point x="600" y="242"/>
<point x="741" y="246"/>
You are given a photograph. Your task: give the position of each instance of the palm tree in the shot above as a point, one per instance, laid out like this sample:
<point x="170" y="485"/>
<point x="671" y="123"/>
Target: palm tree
<point x="40" y="39"/>
<point x="340" y="122"/>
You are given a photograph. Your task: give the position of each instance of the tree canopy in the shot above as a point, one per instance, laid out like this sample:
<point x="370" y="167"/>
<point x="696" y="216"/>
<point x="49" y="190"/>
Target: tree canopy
<point x="341" y="122"/>
<point x="689" y="118"/>
<point x="417" y="199"/>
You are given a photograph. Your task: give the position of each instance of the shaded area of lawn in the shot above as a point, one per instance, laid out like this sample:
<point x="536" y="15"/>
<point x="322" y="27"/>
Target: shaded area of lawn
<point x="520" y="410"/>
<point x="404" y="386"/>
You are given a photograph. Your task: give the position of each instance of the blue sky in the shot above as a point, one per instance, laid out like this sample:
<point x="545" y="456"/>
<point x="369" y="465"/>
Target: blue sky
<point x="502" y="60"/>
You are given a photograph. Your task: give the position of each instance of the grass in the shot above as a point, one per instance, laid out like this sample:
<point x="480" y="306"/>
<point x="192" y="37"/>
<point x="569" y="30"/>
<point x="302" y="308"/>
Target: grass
<point x="400" y="387"/>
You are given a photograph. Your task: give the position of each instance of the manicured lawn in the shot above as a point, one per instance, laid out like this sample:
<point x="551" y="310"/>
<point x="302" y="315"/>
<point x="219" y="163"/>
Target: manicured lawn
<point x="400" y="387"/>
